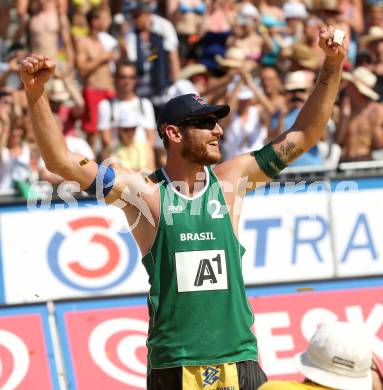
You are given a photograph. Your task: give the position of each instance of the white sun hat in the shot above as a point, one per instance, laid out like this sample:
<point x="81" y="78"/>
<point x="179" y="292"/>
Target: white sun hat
<point x="245" y="93"/>
<point x="299" y="79"/>
<point x="292" y="9"/>
<point x="364" y="80"/>
<point x="339" y="356"/>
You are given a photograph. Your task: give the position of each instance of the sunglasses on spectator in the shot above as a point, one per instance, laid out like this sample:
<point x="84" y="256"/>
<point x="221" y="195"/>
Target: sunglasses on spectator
<point x="127" y="129"/>
<point x="127" y="77"/>
<point x="200" y="123"/>
<point x="298" y="90"/>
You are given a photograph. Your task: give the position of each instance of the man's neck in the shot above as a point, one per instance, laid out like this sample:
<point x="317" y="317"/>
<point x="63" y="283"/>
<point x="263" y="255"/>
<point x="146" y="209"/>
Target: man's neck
<point x="127" y="96"/>
<point x="192" y="177"/>
<point x="94" y="34"/>
<point x="358" y="105"/>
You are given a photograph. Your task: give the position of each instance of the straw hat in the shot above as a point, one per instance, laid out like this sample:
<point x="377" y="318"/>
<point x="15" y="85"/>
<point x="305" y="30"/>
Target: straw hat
<point x="234" y="58"/>
<point x="364" y="80"/>
<point x="298" y="80"/>
<point x="57" y="91"/>
<point x="191" y="70"/>
<point x="303" y="56"/>
<point x="375" y="33"/>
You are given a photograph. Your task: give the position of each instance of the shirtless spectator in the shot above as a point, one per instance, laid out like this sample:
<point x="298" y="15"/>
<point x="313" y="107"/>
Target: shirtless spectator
<point x="360" y="130"/>
<point x="48" y="26"/>
<point x="219" y="17"/>
<point x="79" y="9"/>
<point x="93" y="65"/>
<point x="5" y="7"/>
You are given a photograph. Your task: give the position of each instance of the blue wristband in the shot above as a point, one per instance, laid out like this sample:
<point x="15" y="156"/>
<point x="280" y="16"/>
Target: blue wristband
<point x="103" y="182"/>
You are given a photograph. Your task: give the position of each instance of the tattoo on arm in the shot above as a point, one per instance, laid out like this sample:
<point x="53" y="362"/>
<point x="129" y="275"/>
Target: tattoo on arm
<point x="288" y="151"/>
<point x="327" y="73"/>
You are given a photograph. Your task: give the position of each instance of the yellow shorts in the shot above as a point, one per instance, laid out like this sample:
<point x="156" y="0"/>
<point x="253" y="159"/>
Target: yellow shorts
<point x="214" y="377"/>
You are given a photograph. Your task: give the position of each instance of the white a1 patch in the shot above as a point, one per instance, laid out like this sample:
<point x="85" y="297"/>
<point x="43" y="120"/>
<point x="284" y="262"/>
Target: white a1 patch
<point x="201" y="270"/>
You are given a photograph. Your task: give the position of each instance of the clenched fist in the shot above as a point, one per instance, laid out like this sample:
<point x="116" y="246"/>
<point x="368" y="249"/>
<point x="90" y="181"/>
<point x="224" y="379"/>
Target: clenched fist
<point x="333" y="51"/>
<point x="35" y="71"/>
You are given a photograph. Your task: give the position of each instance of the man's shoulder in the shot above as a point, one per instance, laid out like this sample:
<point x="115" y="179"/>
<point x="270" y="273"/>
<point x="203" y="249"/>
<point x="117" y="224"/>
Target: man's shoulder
<point x="104" y="104"/>
<point x="374" y="108"/>
<point x="159" y="23"/>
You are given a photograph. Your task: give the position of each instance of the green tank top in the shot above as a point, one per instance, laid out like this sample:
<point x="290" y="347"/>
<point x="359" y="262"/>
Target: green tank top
<point x="199" y="313"/>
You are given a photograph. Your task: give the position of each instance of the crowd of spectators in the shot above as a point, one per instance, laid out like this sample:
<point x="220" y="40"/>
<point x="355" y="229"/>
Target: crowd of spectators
<point x="119" y="61"/>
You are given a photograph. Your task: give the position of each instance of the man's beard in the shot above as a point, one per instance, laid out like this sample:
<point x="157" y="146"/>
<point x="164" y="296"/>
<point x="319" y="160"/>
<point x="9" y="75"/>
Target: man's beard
<point x="198" y="153"/>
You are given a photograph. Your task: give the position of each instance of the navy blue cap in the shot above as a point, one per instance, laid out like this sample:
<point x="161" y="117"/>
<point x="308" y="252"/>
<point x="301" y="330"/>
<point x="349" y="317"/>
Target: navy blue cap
<point x="188" y="106"/>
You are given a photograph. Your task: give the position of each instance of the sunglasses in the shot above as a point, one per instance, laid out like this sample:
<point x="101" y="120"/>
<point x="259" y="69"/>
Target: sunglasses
<point x="201" y="123"/>
<point x="294" y="91"/>
<point x="126" y="77"/>
<point x="127" y="129"/>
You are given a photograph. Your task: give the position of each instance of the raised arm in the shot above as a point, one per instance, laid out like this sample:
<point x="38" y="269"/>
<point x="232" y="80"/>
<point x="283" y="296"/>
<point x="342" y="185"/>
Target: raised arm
<point x="308" y="127"/>
<point x="36" y="70"/>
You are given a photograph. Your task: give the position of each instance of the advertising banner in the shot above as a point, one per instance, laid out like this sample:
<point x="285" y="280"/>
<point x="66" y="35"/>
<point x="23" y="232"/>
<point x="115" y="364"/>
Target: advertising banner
<point x="358" y="228"/>
<point x="285" y="323"/>
<point x="26" y="354"/>
<point x="77" y="252"/>
<point x="287" y="237"/>
<point x="300" y="233"/>
<point x="104" y="341"/>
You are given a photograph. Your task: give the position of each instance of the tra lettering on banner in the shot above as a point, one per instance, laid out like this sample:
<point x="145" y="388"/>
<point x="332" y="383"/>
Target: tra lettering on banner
<point x="108" y="338"/>
<point x="26" y="356"/>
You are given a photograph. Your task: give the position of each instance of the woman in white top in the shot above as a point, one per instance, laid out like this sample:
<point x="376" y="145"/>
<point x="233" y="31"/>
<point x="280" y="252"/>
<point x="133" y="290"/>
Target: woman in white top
<point x="15" y="156"/>
<point x="245" y="131"/>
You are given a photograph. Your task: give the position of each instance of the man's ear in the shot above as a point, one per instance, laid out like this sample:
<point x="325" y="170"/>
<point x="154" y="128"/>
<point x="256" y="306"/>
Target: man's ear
<point x="173" y="133"/>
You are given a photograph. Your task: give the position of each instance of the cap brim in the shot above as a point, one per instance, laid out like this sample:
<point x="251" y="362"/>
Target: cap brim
<point x="229" y="63"/>
<point x="365" y="40"/>
<point x="329" y="379"/>
<point x="220" y="111"/>
<point x="309" y="64"/>
<point x="296" y="87"/>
